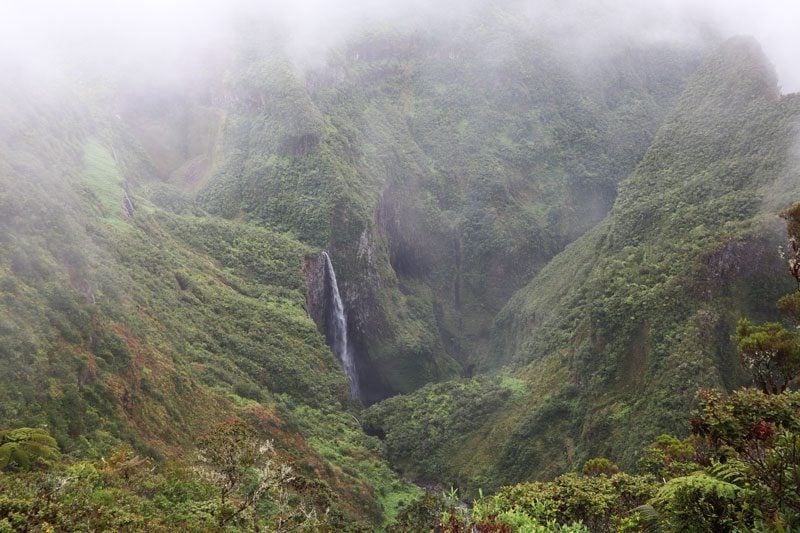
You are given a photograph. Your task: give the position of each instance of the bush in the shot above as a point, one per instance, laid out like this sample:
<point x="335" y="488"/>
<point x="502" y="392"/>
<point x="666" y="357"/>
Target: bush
<point x="699" y="503"/>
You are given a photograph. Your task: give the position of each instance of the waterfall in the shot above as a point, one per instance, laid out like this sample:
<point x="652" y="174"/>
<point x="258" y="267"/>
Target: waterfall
<point x="338" y="326"/>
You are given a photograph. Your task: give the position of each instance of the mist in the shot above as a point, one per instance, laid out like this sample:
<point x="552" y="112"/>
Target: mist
<point x="166" y="40"/>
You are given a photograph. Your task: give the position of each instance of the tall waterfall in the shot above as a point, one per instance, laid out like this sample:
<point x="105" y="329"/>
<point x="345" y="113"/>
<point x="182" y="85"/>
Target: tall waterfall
<point x="341" y="346"/>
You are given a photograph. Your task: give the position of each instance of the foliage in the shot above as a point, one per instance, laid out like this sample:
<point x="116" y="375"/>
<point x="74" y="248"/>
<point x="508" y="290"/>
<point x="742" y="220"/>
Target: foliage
<point x="698" y="503"/>
<point x="750" y="439"/>
<point x="749" y="442"/>
<point x="365" y="479"/>
<point x="508" y="521"/>
<point x="776" y="469"/>
<point x="127" y="492"/>
<point x="771" y="353"/>
<point x="244" y="469"/>
<point x="743" y="416"/>
<point x="122" y="493"/>
<point x="740" y="471"/>
<point x="568" y="503"/>
<point x="671" y="457"/>
<point x="26" y="448"/>
<point x="444" y="513"/>
<point x="441" y="168"/>
<point x="420" y="432"/>
<point x="146" y="328"/>
<point x="789" y="305"/>
<point x="442" y="171"/>
<point x="637" y="314"/>
<point x="424" y="514"/>
<point x="792" y="216"/>
<point x="602" y="503"/>
<point x="599" y="466"/>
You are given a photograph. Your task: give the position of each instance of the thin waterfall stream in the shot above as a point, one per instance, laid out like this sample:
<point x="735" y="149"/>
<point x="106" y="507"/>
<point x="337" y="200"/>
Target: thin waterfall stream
<point x="340" y="344"/>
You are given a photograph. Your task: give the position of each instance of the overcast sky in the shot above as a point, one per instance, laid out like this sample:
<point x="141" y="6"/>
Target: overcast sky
<point x="36" y="32"/>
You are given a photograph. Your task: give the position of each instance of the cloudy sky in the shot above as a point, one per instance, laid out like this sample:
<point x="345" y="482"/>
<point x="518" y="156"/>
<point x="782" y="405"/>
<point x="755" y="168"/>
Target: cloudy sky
<point x="37" y="32"/>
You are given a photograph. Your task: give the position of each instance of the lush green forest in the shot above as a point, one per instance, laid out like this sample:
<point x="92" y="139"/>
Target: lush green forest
<point x="610" y="342"/>
<point x="563" y="280"/>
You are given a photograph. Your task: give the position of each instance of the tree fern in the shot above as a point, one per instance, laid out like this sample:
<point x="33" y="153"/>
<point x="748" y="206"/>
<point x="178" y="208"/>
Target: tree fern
<point x="651" y="519"/>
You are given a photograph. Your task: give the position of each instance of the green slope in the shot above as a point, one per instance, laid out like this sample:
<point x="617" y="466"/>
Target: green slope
<point x="440" y="172"/>
<point x="463" y="182"/>
<point x="145" y="327"/>
<point x="613" y="337"/>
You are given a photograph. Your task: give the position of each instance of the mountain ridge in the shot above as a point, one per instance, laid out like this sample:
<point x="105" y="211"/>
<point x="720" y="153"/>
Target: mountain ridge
<point x="614" y="336"/>
<point x="540" y="262"/>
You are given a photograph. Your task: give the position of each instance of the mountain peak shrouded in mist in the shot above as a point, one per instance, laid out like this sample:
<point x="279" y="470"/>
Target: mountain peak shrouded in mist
<point x="742" y="72"/>
<point x="164" y="39"/>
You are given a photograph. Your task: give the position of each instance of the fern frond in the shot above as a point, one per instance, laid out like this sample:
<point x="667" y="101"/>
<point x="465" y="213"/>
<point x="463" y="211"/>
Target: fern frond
<point x="651" y="519"/>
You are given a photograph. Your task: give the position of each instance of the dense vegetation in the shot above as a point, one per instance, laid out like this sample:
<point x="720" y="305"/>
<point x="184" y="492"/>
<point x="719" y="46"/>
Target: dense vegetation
<point x="441" y="169"/>
<point x="126" y="325"/>
<point x="739" y="470"/>
<point x="612" y="339"/>
<point x="543" y="257"/>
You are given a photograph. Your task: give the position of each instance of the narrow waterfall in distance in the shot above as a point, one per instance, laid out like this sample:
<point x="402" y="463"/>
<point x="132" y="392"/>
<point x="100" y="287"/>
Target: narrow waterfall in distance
<point x="340" y="344"/>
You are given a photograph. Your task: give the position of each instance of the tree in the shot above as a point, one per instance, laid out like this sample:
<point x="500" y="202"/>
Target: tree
<point x="753" y="442"/>
<point x="669" y="457"/>
<point x="698" y="502"/>
<point x="792" y="216"/>
<point x="600" y="466"/>
<point x="422" y="515"/>
<point x="245" y="468"/>
<point x="770" y="352"/>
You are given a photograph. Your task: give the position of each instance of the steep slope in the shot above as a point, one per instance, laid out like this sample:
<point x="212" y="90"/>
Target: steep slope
<point x="125" y="324"/>
<point x="614" y="336"/>
<point x="440" y="172"/>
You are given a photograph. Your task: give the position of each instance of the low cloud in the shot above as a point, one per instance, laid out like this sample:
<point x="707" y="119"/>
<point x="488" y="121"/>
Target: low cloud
<point x="159" y="35"/>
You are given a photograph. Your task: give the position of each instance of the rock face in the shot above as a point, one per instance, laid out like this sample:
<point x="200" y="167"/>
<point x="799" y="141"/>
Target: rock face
<point x="314" y="273"/>
<point x="326" y="307"/>
<point x="737" y="260"/>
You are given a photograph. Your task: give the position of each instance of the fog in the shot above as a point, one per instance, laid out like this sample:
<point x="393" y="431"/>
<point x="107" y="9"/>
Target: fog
<point x="166" y="38"/>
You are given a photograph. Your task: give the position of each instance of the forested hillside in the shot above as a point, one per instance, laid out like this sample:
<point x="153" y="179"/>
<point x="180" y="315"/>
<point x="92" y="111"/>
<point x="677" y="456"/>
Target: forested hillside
<point x="127" y="325"/>
<point x="441" y="173"/>
<point x="543" y="252"/>
<point x="610" y="342"/>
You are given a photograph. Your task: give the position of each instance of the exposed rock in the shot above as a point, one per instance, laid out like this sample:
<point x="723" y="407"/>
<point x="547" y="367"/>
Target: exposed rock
<point x="734" y="260"/>
<point x="314" y="273"/>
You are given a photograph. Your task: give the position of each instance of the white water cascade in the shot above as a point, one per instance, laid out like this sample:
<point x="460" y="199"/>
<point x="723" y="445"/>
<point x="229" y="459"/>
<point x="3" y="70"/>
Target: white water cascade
<point x="341" y="346"/>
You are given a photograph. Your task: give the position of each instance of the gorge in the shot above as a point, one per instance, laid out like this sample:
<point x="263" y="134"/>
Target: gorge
<point x="545" y="233"/>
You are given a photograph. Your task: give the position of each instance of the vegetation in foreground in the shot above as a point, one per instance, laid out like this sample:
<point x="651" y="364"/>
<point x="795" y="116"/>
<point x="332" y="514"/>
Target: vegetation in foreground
<point x="237" y="481"/>
<point x="739" y="470"/>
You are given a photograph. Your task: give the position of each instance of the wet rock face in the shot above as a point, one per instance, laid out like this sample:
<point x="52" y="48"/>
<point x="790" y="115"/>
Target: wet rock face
<point x="736" y="260"/>
<point x="410" y="243"/>
<point x="320" y="307"/>
<point x="314" y="273"/>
